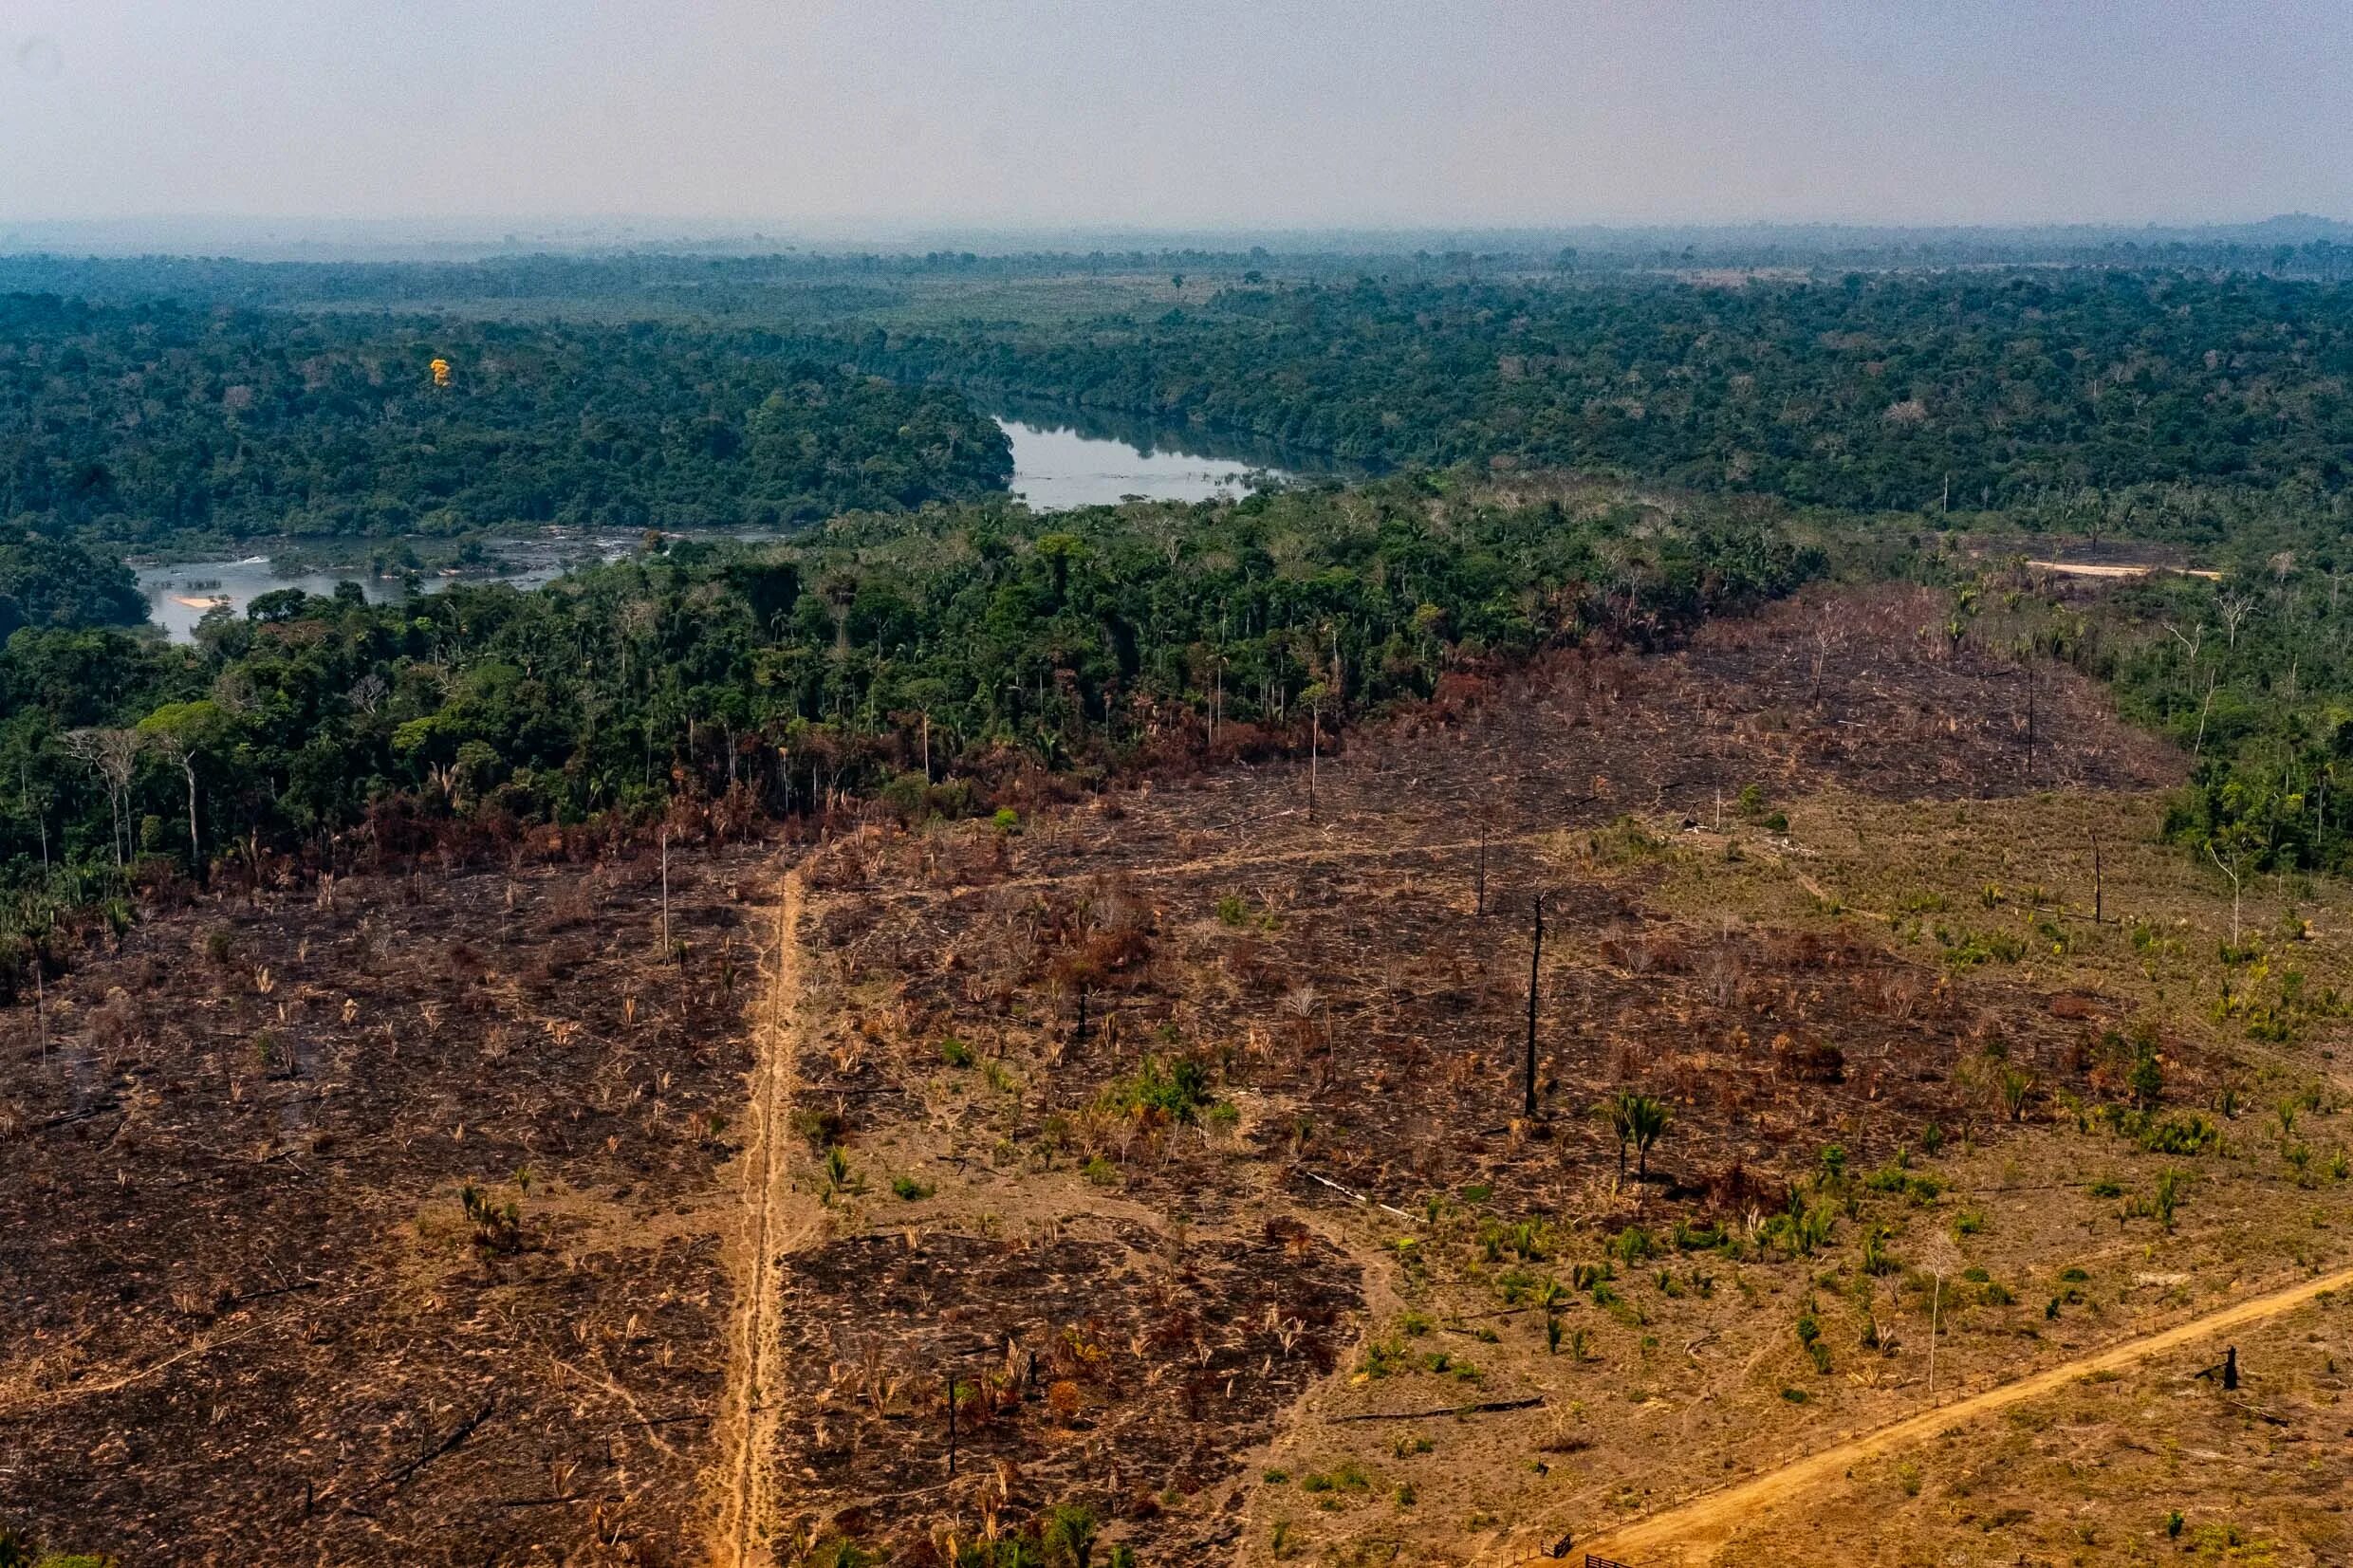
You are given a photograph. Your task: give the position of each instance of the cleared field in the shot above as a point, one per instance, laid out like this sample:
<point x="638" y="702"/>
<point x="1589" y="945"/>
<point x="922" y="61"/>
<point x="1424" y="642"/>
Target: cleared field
<point x="254" y="1317"/>
<point x="1173" y="1151"/>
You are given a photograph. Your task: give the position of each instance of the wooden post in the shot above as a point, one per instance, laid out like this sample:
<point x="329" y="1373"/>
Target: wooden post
<point x="1935" y="1303"/>
<point x="1480" y="882"/>
<point x="1535" y="959"/>
<point x="1315" y="747"/>
<point x="2229" y="1370"/>
<point x="2098" y="888"/>
<point x="665" y="880"/>
<point x="2030" y="715"/>
<point x="952" y="1424"/>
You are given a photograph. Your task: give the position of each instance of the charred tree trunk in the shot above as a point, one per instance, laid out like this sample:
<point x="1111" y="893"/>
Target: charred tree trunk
<point x="1535" y="961"/>
<point x="1479" y="882"/>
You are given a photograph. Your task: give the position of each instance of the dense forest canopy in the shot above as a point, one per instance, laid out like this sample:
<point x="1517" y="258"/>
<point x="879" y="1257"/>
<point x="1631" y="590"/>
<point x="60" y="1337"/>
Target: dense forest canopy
<point x="1904" y="392"/>
<point x="983" y="639"/>
<point x="906" y="642"/>
<point x="145" y="422"/>
<point x="57" y="583"/>
<point x="2021" y="392"/>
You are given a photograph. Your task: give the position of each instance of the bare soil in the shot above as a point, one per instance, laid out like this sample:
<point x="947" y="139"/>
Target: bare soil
<point x="249" y="1319"/>
<point x="1178" y="1141"/>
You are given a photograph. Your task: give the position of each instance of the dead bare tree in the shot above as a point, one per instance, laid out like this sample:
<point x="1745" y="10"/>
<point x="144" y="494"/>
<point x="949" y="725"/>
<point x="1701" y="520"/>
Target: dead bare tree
<point x="1315" y="751"/>
<point x="180" y="751"/>
<point x="2234" y="609"/>
<point x="2228" y="868"/>
<point x="2028" y="661"/>
<point x="1826" y="637"/>
<point x="2198" y="748"/>
<point x="2098" y="913"/>
<point x="115" y="754"/>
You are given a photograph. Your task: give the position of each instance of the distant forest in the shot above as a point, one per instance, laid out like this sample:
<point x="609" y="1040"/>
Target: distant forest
<point x="913" y="622"/>
<point x="1912" y="392"/>
<point x="143" y="423"/>
<point x="776" y="391"/>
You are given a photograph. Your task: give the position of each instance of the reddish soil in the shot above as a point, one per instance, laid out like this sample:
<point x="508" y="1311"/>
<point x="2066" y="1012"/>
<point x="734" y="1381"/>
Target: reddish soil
<point x="247" y="1322"/>
<point x="1097" y="1369"/>
<point x="250" y="1321"/>
<point x="1344" y="994"/>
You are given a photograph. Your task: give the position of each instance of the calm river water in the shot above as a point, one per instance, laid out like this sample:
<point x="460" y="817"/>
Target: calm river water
<point x="1059" y="461"/>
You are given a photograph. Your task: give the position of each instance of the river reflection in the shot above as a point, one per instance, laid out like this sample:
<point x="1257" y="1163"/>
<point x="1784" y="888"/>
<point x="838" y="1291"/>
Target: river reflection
<point x="1061" y="458"/>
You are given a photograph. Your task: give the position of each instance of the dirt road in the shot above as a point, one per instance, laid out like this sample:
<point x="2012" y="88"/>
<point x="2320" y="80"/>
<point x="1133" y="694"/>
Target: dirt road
<point x="1689" y="1533"/>
<point x="749" y="1418"/>
<point x="2081" y="568"/>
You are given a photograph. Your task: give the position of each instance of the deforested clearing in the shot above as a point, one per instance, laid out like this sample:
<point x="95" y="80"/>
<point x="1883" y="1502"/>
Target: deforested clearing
<point x="1159" y="1168"/>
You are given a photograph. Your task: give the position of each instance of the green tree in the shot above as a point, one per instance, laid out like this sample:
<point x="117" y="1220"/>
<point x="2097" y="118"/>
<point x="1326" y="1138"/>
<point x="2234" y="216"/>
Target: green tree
<point x="181" y="732"/>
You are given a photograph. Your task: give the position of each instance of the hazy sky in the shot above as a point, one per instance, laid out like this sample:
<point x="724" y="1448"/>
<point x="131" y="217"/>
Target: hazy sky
<point x="1177" y="112"/>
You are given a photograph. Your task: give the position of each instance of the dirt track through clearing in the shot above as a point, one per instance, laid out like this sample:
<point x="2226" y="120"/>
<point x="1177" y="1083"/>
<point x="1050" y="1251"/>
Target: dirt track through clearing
<point x="1707" y="1523"/>
<point x="749" y="1418"/>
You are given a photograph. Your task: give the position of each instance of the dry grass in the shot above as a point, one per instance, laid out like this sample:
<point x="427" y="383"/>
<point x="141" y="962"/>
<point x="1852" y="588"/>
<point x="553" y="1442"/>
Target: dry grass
<point x="1222" y="1266"/>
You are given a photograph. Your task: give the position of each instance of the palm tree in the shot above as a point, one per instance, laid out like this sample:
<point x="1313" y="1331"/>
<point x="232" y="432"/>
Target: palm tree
<point x="1636" y="1120"/>
<point x="1068" y="1536"/>
<point x="1619" y="1112"/>
<point x="1650" y="1124"/>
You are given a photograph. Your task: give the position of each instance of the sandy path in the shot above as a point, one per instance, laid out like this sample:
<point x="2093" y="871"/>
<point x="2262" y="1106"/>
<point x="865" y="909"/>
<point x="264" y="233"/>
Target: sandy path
<point x="748" y="1418"/>
<point x="1698" y="1527"/>
<point x="2081" y="568"/>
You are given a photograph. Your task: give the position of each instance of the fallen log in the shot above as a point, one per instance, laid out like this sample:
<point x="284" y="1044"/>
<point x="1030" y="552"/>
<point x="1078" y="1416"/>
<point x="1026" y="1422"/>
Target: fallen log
<point x="1483" y="1408"/>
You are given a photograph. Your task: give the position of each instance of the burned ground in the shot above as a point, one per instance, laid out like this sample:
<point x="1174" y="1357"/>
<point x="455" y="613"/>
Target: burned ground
<point x="1098" y="1363"/>
<point x="250" y="1319"/>
<point x="1181" y="1130"/>
<point x="1007" y="1010"/>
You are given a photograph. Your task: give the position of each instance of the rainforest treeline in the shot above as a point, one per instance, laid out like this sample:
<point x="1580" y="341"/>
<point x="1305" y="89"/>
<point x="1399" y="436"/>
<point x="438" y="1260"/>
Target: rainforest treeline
<point x="1936" y="392"/>
<point x="2251" y="676"/>
<point x="2076" y="400"/>
<point x="930" y="658"/>
<point x="152" y="423"/>
<point x="915" y="635"/>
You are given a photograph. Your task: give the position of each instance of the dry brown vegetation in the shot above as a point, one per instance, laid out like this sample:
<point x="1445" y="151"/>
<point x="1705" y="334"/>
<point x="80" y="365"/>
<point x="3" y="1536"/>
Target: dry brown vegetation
<point x="1182" y="1135"/>
<point x="252" y="1317"/>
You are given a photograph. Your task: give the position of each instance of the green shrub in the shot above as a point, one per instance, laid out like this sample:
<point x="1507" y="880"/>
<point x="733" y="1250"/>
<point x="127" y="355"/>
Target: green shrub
<point x="1163" y="1091"/>
<point x="2182" y="1133"/>
<point x="1384" y="1357"/>
<point x="1634" y="1245"/>
<point x="497" y="1228"/>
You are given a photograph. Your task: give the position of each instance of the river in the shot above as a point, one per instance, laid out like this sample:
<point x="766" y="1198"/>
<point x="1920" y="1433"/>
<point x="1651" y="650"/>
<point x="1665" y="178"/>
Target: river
<point x="1061" y="459"/>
